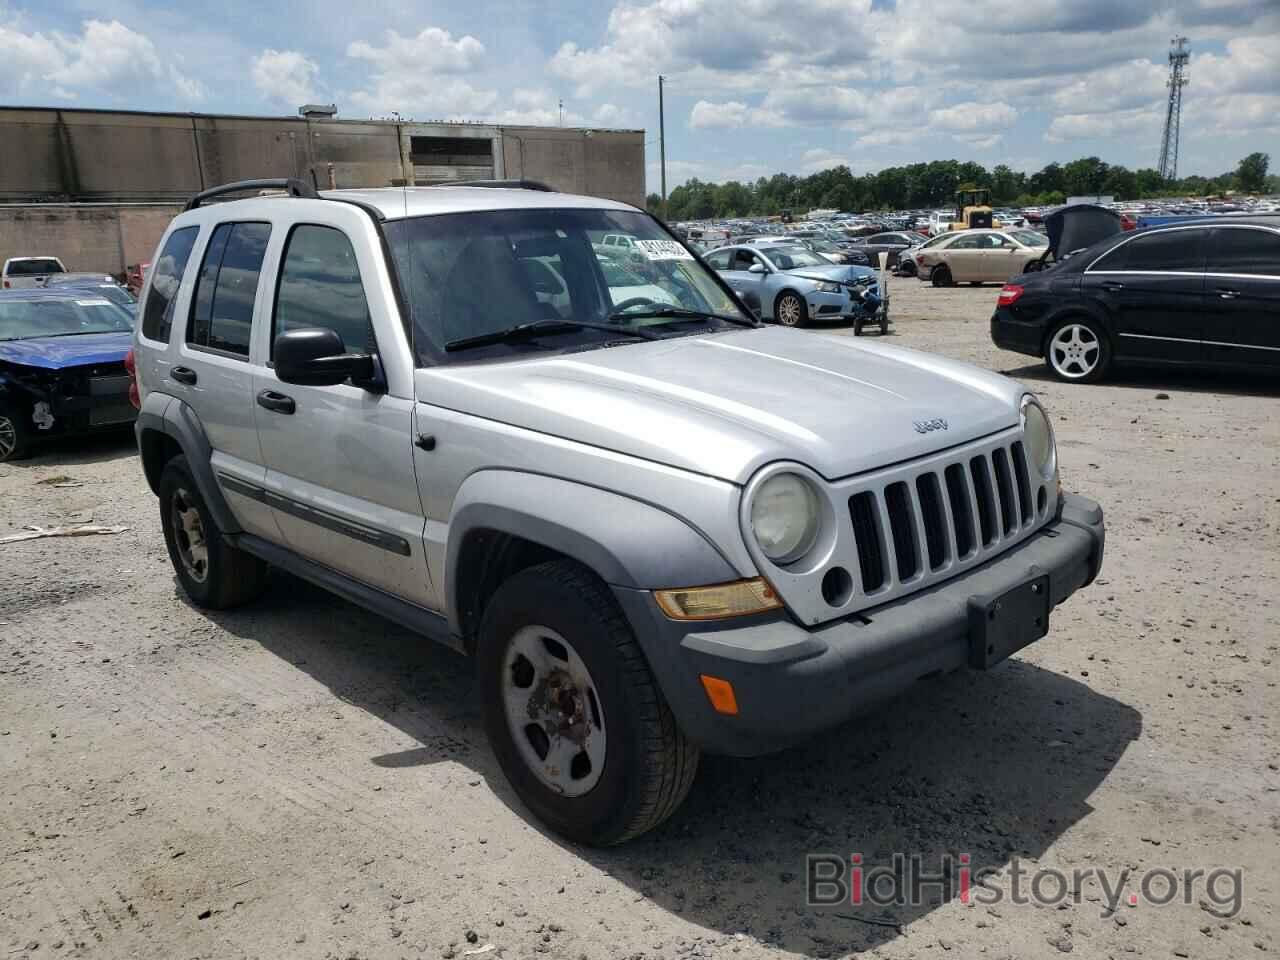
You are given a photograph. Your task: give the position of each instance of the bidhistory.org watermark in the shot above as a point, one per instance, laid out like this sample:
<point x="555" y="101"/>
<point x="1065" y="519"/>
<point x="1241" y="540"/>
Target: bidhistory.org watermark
<point x="908" y="880"/>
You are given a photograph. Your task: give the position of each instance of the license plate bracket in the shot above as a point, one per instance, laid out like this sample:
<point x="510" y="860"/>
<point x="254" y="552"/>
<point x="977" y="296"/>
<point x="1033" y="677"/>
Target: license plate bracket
<point x="1002" y="624"/>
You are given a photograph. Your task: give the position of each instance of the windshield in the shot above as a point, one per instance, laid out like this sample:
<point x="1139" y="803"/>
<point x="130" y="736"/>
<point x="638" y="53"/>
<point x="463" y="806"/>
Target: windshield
<point x="25" y="319"/>
<point x="466" y="275"/>
<point x="789" y="258"/>
<point x="1030" y="238"/>
<point x="32" y="268"/>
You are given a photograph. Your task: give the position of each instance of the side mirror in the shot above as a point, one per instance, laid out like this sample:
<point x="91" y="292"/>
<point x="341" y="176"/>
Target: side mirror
<point x="315" y="357"/>
<point x="757" y="268"/>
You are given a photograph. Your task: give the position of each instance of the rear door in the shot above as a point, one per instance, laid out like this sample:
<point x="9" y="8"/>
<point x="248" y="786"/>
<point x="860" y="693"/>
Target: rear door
<point x="966" y="256"/>
<point x="1242" y="296"/>
<point x="340" y="472"/>
<point x="210" y="369"/>
<point x="1152" y="287"/>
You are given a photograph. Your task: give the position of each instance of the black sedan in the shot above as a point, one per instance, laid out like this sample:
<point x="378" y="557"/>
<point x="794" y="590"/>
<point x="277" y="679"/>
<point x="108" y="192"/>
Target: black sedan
<point x="1203" y="293"/>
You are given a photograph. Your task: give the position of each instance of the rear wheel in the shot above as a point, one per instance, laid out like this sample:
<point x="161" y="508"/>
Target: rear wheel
<point x="790" y="311"/>
<point x="578" y="723"/>
<point x="1077" y="351"/>
<point x="213" y="573"/>
<point x="15" y="437"/>
<point x="941" y="276"/>
<point x="907" y="268"/>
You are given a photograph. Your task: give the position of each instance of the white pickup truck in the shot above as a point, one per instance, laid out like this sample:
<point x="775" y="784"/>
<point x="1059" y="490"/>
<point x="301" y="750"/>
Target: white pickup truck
<point x="20" y="272"/>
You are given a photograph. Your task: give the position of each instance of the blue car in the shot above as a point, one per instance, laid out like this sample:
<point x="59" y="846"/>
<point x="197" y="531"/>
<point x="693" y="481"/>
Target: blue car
<point x="62" y="366"/>
<point x="789" y="284"/>
<point x="97" y="284"/>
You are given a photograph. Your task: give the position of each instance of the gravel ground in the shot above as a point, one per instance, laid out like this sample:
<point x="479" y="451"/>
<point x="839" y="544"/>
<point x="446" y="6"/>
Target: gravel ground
<point x="303" y="779"/>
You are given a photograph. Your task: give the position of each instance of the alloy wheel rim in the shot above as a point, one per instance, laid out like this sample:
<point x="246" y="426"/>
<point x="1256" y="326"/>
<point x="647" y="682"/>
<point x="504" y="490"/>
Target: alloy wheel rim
<point x="789" y="311"/>
<point x="8" y="438"/>
<point x="188" y="531"/>
<point x="553" y="711"/>
<point x="1074" y="351"/>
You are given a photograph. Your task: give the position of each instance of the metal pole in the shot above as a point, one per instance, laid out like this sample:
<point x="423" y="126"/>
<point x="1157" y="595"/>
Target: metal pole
<point x="662" y="145"/>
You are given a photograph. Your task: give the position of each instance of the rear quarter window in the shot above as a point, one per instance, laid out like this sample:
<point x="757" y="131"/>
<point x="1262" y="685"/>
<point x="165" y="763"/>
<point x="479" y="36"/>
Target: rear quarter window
<point x="166" y="277"/>
<point x="1169" y="251"/>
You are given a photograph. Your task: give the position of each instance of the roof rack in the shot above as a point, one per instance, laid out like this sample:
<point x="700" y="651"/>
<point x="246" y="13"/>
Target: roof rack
<point x="499" y="184"/>
<point x="294" y="187"/>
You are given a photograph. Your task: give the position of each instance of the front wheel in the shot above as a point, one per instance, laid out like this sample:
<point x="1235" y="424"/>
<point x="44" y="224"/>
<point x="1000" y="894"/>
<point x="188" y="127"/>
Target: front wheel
<point x="1077" y="351"/>
<point x="15" y="436"/>
<point x="790" y="311"/>
<point x="575" y="717"/>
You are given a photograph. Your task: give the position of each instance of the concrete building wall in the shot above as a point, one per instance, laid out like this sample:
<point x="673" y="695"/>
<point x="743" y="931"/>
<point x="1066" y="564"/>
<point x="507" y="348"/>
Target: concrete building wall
<point x="84" y="237"/>
<point x="98" y="155"/>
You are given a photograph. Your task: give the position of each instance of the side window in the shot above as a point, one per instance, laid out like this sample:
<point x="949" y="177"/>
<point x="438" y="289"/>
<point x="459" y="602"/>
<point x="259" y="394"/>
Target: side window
<point x="166" y="277"/>
<point x="719" y="260"/>
<point x="222" y="309"/>
<point x="320" y="287"/>
<point x="967" y="243"/>
<point x="1169" y="250"/>
<point x="1115" y="259"/>
<point x="742" y="260"/>
<point x="1237" y="250"/>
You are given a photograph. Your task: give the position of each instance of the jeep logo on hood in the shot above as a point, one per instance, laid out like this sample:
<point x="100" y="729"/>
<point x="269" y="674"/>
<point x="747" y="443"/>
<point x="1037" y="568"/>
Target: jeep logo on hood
<point x="928" y="426"/>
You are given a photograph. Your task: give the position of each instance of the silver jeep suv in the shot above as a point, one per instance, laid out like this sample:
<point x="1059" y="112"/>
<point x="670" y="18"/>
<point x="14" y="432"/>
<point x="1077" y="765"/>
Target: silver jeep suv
<point x="658" y="527"/>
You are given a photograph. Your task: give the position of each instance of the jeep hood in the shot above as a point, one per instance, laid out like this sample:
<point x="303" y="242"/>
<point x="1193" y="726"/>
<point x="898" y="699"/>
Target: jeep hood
<point x="726" y="404"/>
<point x="74" y="350"/>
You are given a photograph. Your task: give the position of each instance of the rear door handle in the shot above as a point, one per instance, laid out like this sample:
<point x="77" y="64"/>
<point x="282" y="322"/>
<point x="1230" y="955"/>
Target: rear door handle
<point x="1112" y="285"/>
<point x="183" y="375"/>
<point x="1226" y="294"/>
<point x="276" y="401"/>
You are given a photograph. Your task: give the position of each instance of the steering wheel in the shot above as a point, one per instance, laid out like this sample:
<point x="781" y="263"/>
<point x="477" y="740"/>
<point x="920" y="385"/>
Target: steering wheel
<point x="633" y="302"/>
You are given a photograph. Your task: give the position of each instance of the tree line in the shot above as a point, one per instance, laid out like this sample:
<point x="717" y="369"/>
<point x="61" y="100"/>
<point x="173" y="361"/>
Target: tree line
<point x="934" y="184"/>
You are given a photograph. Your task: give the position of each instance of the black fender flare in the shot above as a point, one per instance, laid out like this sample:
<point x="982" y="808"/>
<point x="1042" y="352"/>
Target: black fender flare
<point x="168" y="416"/>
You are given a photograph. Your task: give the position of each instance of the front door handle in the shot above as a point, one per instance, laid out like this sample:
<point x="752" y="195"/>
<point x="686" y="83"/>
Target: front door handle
<point x="183" y="375"/>
<point x="1112" y="286"/>
<point x="1226" y="294"/>
<point x="276" y="401"/>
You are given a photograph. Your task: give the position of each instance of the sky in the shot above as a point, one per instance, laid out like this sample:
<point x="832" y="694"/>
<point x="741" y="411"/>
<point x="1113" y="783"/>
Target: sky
<point x="754" y="86"/>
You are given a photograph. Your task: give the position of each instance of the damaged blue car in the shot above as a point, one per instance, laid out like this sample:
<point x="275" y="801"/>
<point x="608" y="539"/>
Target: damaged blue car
<point x="62" y="366"/>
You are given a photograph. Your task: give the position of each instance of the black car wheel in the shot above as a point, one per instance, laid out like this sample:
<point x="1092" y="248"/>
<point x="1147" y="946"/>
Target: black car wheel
<point x="907" y="268"/>
<point x="1077" y="351"/>
<point x="213" y="573"/>
<point x="941" y="276"/>
<point x="790" y="311"/>
<point x="578" y="723"/>
<point x="15" y="436"/>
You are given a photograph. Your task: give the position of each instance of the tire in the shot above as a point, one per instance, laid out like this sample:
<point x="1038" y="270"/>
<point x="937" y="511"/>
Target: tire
<point x="213" y="573"/>
<point x="907" y="268"/>
<point x="15" y="435"/>
<point x="941" y="276"/>
<point x="564" y="617"/>
<point x="1077" y="350"/>
<point x="790" y="310"/>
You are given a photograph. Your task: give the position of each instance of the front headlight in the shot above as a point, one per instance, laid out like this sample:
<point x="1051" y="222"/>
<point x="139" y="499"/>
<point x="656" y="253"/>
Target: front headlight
<point x="1037" y="434"/>
<point x="784" y="517"/>
<point x="829" y="288"/>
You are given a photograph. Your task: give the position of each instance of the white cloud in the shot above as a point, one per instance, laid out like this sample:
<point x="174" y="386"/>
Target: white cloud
<point x="106" y="58"/>
<point x="1116" y="123"/>
<point x="821" y="158"/>
<point x="422" y="76"/>
<point x="732" y="115"/>
<point x="285" y="76"/>
<point x="537" y="108"/>
<point x="979" y="141"/>
<point x="971" y="116"/>
<point x="612" y="115"/>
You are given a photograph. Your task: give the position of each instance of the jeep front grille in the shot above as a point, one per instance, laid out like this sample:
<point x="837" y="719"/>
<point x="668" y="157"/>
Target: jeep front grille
<point x="909" y="526"/>
<point x="926" y="531"/>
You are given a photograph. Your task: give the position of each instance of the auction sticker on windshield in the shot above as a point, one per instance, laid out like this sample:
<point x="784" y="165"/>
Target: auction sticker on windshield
<point x="662" y="250"/>
<point x="93" y="303"/>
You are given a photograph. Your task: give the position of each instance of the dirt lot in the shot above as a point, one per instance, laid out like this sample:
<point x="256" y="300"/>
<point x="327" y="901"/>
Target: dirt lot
<point x="302" y="779"/>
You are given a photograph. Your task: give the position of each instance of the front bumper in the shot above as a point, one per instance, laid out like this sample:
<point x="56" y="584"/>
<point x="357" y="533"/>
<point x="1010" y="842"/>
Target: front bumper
<point x="792" y="682"/>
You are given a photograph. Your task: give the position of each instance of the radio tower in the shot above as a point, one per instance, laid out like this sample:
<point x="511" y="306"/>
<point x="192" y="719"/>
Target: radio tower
<point x="1179" y="57"/>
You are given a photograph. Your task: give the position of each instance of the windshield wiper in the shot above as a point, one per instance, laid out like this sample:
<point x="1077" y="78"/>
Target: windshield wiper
<point x="680" y="313"/>
<point x="525" y="331"/>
